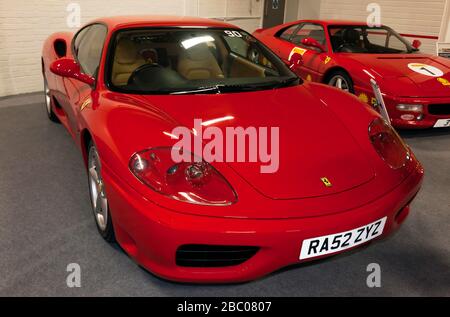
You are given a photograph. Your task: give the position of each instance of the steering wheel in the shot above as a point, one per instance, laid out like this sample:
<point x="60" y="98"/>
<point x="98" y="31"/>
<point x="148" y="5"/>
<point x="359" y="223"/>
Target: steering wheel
<point x="141" y="69"/>
<point x="254" y="55"/>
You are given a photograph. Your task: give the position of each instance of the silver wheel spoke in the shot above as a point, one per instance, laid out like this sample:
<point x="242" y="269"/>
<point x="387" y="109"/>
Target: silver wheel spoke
<point x="340" y="83"/>
<point x="93" y="173"/>
<point x="48" y="104"/>
<point x="98" y="197"/>
<point x="98" y="204"/>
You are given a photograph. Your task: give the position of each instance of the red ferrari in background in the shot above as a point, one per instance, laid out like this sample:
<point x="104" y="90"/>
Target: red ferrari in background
<point x="347" y="55"/>
<point x="121" y="85"/>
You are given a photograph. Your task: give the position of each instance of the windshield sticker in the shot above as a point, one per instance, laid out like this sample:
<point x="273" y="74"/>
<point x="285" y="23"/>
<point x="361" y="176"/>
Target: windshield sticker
<point x="425" y="69"/>
<point x="233" y="33"/>
<point x="443" y="81"/>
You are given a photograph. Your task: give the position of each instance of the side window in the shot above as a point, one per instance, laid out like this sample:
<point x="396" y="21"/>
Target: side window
<point x="396" y="44"/>
<point x="245" y="47"/>
<point x="237" y="45"/>
<point x="78" y="39"/>
<point x="314" y="31"/>
<point x="88" y="48"/>
<point x="286" y="34"/>
<point x="377" y="37"/>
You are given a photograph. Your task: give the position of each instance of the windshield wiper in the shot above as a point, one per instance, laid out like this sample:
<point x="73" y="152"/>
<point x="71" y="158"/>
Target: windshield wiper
<point x="222" y="88"/>
<point x="201" y="90"/>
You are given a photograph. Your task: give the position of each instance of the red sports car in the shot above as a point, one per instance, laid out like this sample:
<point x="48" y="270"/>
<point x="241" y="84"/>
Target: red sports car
<point x="123" y="86"/>
<point x="415" y="86"/>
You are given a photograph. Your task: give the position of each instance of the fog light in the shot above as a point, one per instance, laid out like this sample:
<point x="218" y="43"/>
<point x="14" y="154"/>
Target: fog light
<point x="407" y="117"/>
<point x="410" y="107"/>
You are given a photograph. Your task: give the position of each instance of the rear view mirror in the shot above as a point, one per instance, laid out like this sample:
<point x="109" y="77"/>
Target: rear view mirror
<point x="67" y="67"/>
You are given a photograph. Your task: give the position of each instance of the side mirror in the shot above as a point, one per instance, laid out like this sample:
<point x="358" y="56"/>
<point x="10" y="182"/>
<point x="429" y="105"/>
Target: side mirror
<point x="309" y="41"/>
<point x="416" y="44"/>
<point x="67" y="67"/>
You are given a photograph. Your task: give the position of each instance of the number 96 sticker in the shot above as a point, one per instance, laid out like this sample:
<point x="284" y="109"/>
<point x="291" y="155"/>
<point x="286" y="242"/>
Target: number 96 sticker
<point x="425" y="69"/>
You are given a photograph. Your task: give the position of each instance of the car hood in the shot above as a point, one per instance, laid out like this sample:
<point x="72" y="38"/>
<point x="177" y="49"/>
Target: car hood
<point x="395" y="66"/>
<point x="313" y="142"/>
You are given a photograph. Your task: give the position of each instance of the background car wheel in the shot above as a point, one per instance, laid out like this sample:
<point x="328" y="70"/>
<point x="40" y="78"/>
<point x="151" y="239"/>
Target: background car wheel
<point x="48" y="103"/>
<point x="341" y="80"/>
<point x="99" y="201"/>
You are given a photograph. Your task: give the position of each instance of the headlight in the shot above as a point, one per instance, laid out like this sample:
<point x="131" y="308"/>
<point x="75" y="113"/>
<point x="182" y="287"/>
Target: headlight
<point x="410" y="107"/>
<point x="195" y="183"/>
<point x="388" y="144"/>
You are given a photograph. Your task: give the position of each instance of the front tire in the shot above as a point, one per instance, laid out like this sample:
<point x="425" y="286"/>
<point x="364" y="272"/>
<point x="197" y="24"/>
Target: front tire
<point x="341" y="80"/>
<point x="99" y="201"/>
<point x="48" y="103"/>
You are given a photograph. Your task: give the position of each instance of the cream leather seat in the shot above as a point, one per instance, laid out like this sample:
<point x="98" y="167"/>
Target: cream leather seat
<point x="126" y="60"/>
<point x="198" y="62"/>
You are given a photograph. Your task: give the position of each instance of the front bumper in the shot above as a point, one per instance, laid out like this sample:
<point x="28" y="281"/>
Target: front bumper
<point x="151" y="234"/>
<point x="423" y="120"/>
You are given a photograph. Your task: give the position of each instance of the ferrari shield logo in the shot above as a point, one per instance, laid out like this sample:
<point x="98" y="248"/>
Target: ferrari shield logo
<point x="326" y="182"/>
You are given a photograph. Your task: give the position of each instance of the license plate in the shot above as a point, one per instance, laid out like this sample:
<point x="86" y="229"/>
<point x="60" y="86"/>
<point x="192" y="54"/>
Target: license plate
<point x="341" y="241"/>
<point x="442" y="123"/>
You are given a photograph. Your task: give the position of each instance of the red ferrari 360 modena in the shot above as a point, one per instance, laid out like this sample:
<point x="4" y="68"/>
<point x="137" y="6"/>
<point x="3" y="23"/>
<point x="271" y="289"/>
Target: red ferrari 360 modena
<point x="122" y="86"/>
<point x="347" y="55"/>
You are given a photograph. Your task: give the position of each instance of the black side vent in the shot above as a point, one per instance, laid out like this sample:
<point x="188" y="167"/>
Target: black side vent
<point x="440" y="109"/>
<point x="196" y="255"/>
<point x="60" y="47"/>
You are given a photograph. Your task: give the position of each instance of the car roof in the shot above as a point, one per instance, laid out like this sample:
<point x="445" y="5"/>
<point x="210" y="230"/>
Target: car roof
<point x="118" y="22"/>
<point x="335" y="22"/>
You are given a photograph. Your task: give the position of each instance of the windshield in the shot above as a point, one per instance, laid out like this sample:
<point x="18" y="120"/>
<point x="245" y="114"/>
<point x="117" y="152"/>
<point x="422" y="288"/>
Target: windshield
<point x="368" y="40"/>
<point x="185" y="60"/>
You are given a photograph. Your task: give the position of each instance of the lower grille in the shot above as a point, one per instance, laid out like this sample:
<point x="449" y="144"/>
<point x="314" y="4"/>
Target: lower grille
<point x="196" y="255"/>
<point x="439" y="109"/>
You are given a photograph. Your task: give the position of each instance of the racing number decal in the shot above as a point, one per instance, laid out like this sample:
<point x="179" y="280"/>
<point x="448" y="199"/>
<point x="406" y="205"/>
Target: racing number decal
<point x="425" y="69"/>
<point x="231" y="33"/>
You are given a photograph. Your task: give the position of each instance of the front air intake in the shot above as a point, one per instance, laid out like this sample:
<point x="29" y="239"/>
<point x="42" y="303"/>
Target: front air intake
<point x="439" y="109"/>
<point x="196" y="255"/>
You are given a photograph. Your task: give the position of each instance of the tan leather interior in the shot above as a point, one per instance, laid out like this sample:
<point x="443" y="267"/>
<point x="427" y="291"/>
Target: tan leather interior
<point x="241" y="67"/>
<point x="126" y="60"/>
<point x="198" y="62"/>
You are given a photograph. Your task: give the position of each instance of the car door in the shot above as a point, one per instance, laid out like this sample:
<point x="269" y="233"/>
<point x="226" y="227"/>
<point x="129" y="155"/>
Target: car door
<point x="282" y="44"/>
<point x="87" y="48"/>
<point x="314" y="60"/>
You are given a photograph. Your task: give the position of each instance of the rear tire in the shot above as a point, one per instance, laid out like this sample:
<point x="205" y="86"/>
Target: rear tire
<point x="341" y="80"/>
<point x="48" y="103"/>
<point x="99" y="201"/>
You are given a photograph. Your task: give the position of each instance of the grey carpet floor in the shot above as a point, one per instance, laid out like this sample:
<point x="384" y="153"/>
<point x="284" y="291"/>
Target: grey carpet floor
<point x="46" y="223"/>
